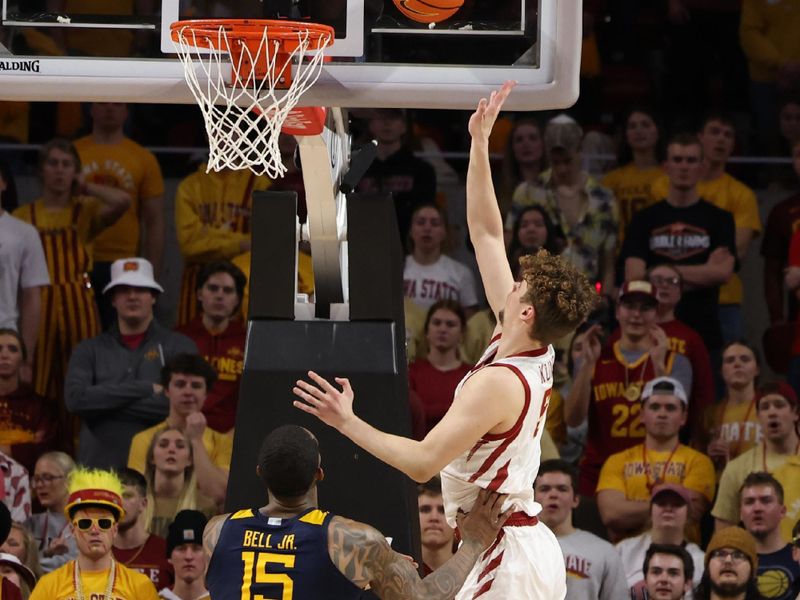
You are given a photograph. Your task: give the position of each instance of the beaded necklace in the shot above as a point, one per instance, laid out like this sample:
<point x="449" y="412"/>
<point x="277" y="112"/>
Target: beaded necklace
<point x="109" y="583"/>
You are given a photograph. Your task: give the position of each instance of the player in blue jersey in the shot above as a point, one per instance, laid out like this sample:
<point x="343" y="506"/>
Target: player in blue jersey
<point x="292" y="549"/>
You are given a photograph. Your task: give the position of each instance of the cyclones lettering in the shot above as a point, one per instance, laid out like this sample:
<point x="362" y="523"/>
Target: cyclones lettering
<point x="228" y="369"/>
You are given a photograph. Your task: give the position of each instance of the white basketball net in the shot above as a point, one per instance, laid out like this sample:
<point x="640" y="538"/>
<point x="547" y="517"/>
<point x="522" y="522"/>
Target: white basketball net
<point x="244" y="115"/>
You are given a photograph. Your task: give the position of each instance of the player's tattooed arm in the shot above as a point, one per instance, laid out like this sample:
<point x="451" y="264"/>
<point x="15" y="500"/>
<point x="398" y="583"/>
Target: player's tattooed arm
<point x="364" y="556"/>
<point x="211" y="535"/>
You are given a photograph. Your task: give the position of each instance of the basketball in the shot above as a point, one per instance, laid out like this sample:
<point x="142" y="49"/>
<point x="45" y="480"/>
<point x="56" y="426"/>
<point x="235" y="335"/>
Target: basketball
<point x="773" y="583"/>
<point x="430" y="11"/>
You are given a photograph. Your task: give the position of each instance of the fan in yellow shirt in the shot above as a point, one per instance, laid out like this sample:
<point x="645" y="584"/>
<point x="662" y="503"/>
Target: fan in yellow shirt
<point x="187" y="378"/>
<point x="110" y="158"/>
<point x="631" y="183"/>
<point x="94" y="509"/>
<point x="628" y="477"/>
<point x="212" y="222"/>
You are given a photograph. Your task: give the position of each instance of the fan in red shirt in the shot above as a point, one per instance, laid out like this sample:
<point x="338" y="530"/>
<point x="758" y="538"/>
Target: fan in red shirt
<point x="220" y="334"/>
<point x="608" y="380"/>
<point x="133" y="546"/>
<point x="434" y="378"/>
<point x="27" y="427"/>
<point x="668" y="286"/>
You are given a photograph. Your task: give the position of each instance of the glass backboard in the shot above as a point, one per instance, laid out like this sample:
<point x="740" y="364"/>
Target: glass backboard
<point x="398" y="53"/>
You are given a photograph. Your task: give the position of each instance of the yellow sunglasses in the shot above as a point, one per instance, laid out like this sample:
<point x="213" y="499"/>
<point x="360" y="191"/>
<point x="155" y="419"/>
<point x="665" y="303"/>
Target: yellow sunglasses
<point x="85" y="524"/>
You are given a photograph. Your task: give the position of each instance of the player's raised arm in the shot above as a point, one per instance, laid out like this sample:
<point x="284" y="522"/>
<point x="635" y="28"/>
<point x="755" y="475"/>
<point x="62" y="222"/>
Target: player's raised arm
<point x="467" y="419"/>
<point x="363" y="555"/>
<point x="483" y="213"/>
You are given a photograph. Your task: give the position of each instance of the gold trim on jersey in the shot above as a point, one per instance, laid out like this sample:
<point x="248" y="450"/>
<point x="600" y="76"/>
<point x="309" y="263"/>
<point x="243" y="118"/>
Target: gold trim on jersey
<point x="315" y="517"/>
<point x="243" y="514"/>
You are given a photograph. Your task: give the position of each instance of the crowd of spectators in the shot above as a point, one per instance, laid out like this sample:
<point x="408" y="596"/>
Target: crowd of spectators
<point x="672" y="449"/>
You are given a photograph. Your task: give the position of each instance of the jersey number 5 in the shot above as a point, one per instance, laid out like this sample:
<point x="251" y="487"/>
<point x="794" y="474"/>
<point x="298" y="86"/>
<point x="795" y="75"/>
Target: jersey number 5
<point x="261" y="576"/>
<point x="543" y="412"/>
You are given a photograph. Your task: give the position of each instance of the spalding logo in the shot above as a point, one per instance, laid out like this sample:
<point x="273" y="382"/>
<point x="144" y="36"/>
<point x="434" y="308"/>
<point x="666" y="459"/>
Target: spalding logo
<point x="22" y="66"/>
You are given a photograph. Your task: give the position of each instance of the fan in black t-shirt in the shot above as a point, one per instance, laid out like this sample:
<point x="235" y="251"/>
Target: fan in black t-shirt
<point x="686" y="231"/>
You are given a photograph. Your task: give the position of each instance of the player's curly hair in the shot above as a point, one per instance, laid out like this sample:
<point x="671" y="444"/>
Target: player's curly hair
<point x="560" y="294"/>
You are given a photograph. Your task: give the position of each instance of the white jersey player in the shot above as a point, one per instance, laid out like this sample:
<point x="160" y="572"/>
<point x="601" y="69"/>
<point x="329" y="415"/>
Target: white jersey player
<point x="490" y="436"/>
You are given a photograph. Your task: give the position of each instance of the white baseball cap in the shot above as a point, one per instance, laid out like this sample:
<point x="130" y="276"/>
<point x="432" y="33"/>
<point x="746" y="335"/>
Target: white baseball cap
<point x="665" y="386"/>
<point x="23" y="570"/>
<point x="135" y="272"/>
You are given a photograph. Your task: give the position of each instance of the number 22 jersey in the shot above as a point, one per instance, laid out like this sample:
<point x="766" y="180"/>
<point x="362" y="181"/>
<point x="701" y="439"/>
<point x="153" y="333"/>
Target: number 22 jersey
<point x="258" y="556"/>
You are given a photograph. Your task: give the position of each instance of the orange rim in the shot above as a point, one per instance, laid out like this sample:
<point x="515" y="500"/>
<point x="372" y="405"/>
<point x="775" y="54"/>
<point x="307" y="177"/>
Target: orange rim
<point x="249" y="33"/>
<point x="248" y="30"/>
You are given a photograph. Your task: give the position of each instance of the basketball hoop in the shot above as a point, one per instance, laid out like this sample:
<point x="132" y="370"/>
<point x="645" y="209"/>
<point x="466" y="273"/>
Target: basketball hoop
<point x="245" y="114"/>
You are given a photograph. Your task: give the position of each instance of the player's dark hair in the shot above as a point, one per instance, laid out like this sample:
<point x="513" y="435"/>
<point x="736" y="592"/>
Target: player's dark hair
<point x="223" y="266"/>
<point x="188" y="364"/>
<point x="796" y="533"/>
<point x="557" y="465"/>
<point x="132" y="478"/>
<point x="762" y="478"/>
<point x="674" y="550"/>
<point x="15" y="334"/>
<point x="288" y="460"/>
<point x="432" y="487"/>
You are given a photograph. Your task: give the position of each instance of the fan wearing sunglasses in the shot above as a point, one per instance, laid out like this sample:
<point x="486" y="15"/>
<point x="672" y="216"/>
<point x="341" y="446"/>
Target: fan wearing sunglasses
<point x="94" y="509"/>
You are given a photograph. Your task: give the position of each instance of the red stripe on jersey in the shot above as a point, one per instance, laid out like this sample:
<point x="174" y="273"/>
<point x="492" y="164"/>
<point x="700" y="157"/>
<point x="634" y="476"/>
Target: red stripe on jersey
<point x="497" y="540"/>
<point x="475" y="448"/>
<point x="484" y="588"/>
<point x="491" y="565"/>
<point x="536" y="352"/>
<point x="514" y="431"/>
<point x="500" y="478"/>
<point x="507" y="436"/>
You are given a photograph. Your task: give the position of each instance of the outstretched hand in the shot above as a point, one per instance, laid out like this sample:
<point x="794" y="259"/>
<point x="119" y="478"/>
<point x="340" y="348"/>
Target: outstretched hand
<point x="331" y="406"/>
<point x="482" y="120"/>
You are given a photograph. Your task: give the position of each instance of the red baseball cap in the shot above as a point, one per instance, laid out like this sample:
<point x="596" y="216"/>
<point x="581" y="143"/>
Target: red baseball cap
<point x="638" y="288"/>
<point x="678" y="490"/>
